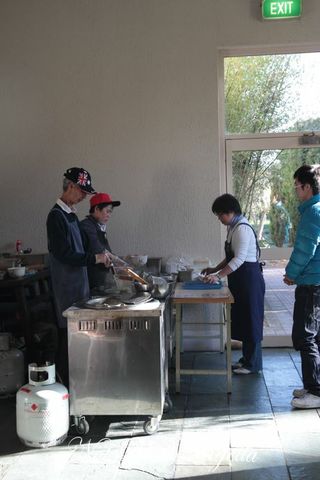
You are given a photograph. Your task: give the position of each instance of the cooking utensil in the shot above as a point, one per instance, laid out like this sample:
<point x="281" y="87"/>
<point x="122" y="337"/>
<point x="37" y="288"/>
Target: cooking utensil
<point x="137" y="277"/>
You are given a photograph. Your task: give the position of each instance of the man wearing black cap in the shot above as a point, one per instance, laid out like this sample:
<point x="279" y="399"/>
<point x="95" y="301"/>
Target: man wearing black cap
<point x="94" y="227"/>
<point x="67" y="254"/>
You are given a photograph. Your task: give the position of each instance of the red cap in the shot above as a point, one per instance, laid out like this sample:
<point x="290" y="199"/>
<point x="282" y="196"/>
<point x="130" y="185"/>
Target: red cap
<point x="99" y="198"/>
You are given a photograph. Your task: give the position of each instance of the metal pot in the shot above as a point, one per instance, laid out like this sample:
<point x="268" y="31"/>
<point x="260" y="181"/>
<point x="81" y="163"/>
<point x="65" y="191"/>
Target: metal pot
<point x="157" y="286"/>
<point x="142" y="287"/>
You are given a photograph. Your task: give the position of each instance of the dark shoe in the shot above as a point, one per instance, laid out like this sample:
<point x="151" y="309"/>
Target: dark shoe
<point x="236" y="365"/>
<point x="299" y="392"/>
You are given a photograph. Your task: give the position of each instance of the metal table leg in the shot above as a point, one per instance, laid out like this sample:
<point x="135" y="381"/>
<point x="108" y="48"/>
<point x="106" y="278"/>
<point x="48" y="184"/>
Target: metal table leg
<point x="178" y="345"/>
<point x="222" y="329"/>
<point x="229" y="370"/>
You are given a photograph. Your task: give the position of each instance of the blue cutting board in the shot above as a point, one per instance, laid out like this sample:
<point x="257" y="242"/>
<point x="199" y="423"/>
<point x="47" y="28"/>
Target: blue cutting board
<point x="198" y="285"/>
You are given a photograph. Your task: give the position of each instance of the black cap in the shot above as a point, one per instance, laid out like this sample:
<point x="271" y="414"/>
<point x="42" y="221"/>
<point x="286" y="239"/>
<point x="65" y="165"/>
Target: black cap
<point x="81" y="177"/>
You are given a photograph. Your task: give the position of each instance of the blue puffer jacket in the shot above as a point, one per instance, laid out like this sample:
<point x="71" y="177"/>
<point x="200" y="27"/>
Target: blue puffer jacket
<point x="304" y="263"/>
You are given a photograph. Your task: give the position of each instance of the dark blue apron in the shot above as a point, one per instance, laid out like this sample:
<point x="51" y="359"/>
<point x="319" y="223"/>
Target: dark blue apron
<point x="247" y="287"/>
<point x="100" y="277"/>
<point x="70" y="284"/>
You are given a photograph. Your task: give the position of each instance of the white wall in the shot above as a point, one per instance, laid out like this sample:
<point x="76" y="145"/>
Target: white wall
<point x="127" y="89"/>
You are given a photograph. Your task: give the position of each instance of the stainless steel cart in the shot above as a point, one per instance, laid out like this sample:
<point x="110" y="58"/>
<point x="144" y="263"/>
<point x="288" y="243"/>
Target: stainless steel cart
<point x="117" y="363"/>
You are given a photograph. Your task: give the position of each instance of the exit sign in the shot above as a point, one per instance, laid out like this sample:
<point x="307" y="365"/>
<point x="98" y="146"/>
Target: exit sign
<point x="281" y="9"/>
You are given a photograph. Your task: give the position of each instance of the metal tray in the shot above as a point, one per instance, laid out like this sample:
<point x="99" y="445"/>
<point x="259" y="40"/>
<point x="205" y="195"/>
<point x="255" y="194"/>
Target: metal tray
<point x="116" y="301"/>
<point x="137" y="298"/>
<point x="103" y="303"/>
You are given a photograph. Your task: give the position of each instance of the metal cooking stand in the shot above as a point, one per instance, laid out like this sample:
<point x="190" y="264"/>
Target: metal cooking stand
<point x="117" y="363"/>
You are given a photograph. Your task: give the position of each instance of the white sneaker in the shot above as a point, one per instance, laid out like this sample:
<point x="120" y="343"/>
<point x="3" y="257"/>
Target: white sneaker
<point x="244" y="371"/>
<point x="299" y="392"/>
<point x="307" y="401"/>
<point x="241" y="371"/>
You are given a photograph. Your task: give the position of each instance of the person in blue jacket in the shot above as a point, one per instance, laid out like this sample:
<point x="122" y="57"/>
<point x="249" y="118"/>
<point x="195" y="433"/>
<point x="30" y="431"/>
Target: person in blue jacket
<point x="303" y="270"/>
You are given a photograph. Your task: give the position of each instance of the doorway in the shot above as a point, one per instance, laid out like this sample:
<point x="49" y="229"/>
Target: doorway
<point x="272" y="209"/>
<point x="268" y="135"/>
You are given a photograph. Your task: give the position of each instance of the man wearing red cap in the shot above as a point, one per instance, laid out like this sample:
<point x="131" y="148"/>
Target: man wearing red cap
<point x="94" y="227"/>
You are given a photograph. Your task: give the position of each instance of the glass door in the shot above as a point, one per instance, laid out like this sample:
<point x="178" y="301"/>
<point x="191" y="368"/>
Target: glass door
<point x="260" y="174"/>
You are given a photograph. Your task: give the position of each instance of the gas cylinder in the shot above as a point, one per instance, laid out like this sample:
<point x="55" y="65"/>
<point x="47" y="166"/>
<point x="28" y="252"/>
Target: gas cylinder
<point x="11" y="367"/>
<point x="42" y="408"/>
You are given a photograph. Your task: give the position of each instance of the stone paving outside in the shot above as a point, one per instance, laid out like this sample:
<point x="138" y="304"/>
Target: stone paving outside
<point x="279" y="300"/>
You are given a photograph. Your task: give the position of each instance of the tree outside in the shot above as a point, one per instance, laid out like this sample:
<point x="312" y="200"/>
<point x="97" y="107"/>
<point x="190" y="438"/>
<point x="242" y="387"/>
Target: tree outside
<point x="261" y="97"/>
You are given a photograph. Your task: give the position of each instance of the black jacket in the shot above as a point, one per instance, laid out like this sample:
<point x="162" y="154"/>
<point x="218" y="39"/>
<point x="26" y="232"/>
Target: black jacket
<point x="99" y="275"/>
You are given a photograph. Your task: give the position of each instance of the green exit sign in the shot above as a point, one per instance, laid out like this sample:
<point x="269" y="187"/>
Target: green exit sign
<point x="281" y="9"/>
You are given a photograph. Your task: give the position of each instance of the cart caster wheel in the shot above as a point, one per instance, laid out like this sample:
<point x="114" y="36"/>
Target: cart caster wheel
<point x="150" y="428"/>
<point x="83" y="426"/>
<point x="167" y="405"/>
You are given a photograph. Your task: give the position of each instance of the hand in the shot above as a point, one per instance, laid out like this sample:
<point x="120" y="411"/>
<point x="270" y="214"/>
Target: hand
<point x="108" y="260"/>
<point x="118" y="262"/>
<point x="207" y="271"/>
<point x="103" y="258"/>
<point x="120" y="270"/>
<point x="211" y="278"/>
<point x="288" y="281"/>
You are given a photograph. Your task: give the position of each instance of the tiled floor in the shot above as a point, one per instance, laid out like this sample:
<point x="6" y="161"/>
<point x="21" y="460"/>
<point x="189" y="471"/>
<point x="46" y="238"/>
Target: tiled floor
<point x="252" y="434"/>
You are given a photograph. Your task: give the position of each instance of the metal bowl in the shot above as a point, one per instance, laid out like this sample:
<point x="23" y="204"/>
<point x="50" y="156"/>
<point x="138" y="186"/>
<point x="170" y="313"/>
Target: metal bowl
<point x="141" y="287"/>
